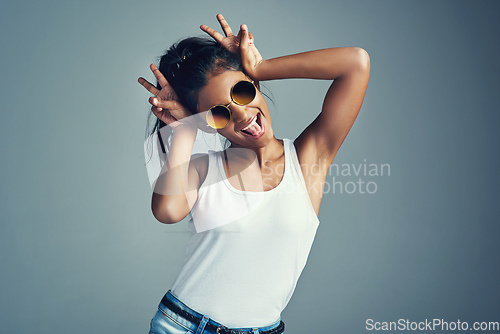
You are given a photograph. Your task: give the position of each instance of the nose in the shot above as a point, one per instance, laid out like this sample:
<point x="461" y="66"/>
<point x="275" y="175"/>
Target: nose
<point x="240" y="113"/>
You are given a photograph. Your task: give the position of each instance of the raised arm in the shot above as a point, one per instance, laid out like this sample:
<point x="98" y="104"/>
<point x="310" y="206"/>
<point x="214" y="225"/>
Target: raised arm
<point x="175" y="190"/>
<point x="348" y="67"/>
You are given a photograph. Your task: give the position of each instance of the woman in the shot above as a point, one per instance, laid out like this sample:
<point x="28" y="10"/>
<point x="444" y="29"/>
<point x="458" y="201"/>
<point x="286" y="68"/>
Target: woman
<point x="243" y="263"/>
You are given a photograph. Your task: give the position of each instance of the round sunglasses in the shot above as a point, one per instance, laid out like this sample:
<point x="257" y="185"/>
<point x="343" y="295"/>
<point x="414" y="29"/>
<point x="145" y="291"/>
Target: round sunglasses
<point x="242" y="93"/>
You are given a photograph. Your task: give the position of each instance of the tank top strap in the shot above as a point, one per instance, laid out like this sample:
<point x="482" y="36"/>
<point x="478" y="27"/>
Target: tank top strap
<point x="216" y="174"/>
<point x="293" y="160"/>
<point x="296" y="172"/>
<point x="213" y="173"/>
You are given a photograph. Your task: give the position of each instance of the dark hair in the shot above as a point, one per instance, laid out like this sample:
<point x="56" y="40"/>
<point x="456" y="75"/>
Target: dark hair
<point x="188" y="65"/>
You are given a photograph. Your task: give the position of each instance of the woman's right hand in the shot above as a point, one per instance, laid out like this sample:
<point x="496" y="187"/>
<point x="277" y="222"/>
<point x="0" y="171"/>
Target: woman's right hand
<point x="165" y="103"/>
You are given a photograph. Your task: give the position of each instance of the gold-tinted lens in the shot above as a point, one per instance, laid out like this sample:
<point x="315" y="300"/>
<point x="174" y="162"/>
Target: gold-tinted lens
<point x="243" y="92"/>
<point x="218" y="117"/>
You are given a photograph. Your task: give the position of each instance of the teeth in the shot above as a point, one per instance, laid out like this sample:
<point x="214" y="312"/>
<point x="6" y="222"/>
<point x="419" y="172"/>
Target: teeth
<point x="251" y="123"/>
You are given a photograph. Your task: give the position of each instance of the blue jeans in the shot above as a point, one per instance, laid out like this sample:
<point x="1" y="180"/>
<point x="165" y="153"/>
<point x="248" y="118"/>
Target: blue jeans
<point x="174" y="317"/>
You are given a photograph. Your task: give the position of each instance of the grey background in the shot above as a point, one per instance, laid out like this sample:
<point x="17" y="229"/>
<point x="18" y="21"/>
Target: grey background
<point x="80" y="250"/>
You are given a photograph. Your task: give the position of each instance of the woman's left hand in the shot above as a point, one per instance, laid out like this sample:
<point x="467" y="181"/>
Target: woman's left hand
<point x="242" y="44"/>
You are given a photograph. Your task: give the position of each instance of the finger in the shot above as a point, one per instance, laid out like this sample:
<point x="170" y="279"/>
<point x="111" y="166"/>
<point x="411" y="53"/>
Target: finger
<point x="240" y="33"/>
<point x="250" y="36"/>
<point x="148" y="85"/>
<point x="224" y="25"/>
<point x="245" y="48"/>
<point x="164" y="104"/>
<point x="245" y="39"/>
<point x="214" y="33"/>
<point x="251" y="40"/>
<point x="164" y="115"/>
<point x="159" y="76"/>
<point x="155" y="110"/>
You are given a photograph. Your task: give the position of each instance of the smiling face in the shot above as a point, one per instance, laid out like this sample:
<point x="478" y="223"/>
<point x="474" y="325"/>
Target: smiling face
<point x="250" y="125"/>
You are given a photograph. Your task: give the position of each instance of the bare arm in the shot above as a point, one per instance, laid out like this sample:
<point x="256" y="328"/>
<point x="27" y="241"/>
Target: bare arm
<point x="318" y="144"/>
<point x="349" y="67"/>
<point x="175" y="190"/>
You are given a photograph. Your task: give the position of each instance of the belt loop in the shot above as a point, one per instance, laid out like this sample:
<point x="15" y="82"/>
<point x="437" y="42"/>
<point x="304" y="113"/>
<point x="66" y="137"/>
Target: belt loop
<point x="201" y="326"/>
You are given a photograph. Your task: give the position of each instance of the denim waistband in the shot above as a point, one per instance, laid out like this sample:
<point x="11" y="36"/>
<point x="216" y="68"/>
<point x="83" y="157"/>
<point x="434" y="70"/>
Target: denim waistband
<point x="202" y="322"/>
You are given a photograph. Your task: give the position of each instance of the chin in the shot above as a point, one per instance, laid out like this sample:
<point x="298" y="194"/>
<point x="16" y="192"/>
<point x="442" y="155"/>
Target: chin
<point x="263" y="141"/>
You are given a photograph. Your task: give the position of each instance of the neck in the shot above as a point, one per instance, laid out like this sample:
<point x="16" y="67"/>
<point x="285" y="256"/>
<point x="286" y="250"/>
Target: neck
<point x="271" y="152"/>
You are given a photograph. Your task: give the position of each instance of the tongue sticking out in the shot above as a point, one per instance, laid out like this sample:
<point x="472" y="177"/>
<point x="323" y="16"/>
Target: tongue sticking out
<point x="254" y="129"/>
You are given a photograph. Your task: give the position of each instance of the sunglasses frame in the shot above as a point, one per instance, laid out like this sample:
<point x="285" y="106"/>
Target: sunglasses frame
<point x="227" y="105"/>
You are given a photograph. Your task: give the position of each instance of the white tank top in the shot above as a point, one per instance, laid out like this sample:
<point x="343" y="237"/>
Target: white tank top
<point x="243" y="272"/>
